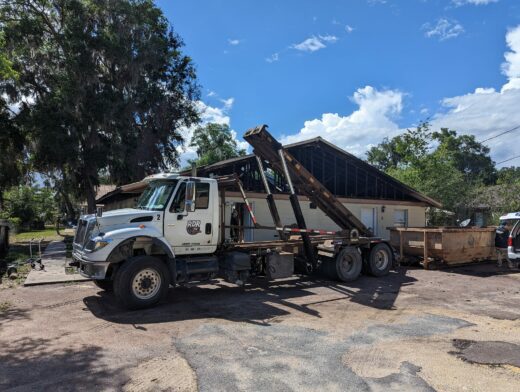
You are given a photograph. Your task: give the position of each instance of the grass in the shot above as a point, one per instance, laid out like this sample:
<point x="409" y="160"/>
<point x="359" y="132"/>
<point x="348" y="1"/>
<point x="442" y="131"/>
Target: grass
<point x="4" y="306"/>
<point x="49" y="234"/>
<point x="19" y="252"/>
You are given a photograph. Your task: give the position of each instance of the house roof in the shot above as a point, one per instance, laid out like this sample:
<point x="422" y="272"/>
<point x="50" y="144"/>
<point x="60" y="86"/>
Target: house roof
<point x="319" y="140"/>
<point x="137" y="187"/>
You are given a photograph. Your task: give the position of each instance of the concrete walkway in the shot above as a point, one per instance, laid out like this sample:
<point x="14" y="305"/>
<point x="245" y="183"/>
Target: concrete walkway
<point x="54" y="259"/>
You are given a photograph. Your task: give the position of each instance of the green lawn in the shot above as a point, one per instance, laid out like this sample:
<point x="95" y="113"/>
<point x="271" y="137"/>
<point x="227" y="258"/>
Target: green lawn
<point x="49" y="234"/>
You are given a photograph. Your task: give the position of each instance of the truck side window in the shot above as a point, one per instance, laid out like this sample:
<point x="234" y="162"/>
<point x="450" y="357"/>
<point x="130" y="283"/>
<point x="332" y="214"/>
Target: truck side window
<point x="178" y="201"/>
<point x="201" y="195"/>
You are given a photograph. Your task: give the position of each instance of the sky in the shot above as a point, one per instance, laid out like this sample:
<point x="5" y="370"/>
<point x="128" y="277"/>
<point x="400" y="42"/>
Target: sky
<point x="355" y="72"/>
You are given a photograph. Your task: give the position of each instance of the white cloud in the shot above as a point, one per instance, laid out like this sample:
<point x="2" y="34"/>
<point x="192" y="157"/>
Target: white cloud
<point x="328" y="38"/>
<point x="310" y="45"/>
<point x="228" y="103"/>
<point x="366" y="126"/>
<point x="459" y="3"/>
<point x="314" y="43"/>
<point x="349" y="29"/>
<point x="273" y="58"/>
<point x="234" y="42"/>
<point x="511" y="67"/>
<point x="443" y="29"/>
<point x="485" y="112"/>
<point x="211" y="93"/>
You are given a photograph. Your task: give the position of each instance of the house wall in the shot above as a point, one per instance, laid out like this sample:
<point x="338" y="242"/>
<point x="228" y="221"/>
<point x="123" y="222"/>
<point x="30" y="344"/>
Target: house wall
<point x="316" y="219"/>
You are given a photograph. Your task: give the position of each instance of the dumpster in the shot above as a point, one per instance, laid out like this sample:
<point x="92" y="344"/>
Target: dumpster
<point x="444" y="245"/>
<point x="4" y="237"/>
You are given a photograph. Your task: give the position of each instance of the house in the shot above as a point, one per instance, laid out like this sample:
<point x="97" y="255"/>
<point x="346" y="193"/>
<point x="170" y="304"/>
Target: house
<point x="377" y="199"/>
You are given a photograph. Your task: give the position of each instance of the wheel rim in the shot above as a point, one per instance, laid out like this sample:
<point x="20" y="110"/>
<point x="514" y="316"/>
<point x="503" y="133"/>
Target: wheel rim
<point x="346" y="264"/>
<point x="146" y="283"/>
<point x="381" y="259"/>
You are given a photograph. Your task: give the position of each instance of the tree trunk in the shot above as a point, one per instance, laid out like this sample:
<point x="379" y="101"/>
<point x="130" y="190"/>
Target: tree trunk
<point x="71" y="214"/>
<point x="91" y="197"/>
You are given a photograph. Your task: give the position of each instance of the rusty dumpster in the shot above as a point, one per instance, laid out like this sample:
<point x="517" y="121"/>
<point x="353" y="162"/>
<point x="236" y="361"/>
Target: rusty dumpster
<point x="445" y="245"/>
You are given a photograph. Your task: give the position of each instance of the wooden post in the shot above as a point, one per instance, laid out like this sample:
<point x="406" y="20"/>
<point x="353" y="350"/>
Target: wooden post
<point x="426" y="262"/>
<point x="401" y="244"/>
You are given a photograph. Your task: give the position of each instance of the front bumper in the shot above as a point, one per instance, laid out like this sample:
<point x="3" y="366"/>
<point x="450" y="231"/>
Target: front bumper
<point x="91" y="269"/>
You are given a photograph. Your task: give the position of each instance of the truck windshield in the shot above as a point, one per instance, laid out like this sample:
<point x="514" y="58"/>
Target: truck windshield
<point x="156" y="195"/>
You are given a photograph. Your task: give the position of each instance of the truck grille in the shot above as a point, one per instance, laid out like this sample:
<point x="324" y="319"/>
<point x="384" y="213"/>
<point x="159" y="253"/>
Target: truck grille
<point x="83" y="233"/>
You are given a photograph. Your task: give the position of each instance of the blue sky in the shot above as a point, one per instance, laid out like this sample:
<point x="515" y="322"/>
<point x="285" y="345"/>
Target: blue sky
<point x="356" y="71"/>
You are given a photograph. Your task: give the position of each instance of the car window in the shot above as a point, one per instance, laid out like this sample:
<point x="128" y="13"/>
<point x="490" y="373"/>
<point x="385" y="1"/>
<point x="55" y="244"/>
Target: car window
<point x="178" y="201"/>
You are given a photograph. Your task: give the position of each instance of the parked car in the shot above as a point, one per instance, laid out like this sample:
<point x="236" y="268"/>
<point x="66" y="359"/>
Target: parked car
<point x="513" y="243"/>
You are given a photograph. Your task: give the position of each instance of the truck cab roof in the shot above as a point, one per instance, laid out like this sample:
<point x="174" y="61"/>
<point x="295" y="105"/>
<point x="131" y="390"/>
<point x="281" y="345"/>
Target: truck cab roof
<point x="173" y="176"/>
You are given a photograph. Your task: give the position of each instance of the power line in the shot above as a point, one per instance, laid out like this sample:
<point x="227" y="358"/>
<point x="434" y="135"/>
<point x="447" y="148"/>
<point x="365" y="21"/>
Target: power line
<point x="507" y="160"/>
<point x="500" y="134"/>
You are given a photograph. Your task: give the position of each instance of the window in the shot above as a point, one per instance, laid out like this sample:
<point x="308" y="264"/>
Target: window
<point x="156" y="195"/>
<point x="201" y="195"/>
<point x="401" y="218"/>
<point x="178" y="201"/>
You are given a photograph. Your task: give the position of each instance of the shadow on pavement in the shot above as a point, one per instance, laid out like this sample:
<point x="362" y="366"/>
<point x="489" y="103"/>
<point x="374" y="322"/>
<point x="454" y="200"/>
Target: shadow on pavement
<point x="482" y="270"/>
<point x="31" y="364"/>
<point x="12" y="314"/>
<point x="259" y="303"/>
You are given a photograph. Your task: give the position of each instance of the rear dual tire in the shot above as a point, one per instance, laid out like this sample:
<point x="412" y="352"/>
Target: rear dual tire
<point x="141" y="282"/>
<point x="348" y="264"/>
<point x="379" y="260"/>
<point x="346" y="267"/>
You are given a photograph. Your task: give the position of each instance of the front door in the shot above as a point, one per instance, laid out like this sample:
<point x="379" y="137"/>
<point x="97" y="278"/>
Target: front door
<point x="190" y="232"/>
<point x="368" y="218"/>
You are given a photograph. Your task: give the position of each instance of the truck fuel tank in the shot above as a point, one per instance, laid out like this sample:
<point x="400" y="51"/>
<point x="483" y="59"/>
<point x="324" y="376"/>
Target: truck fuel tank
<point x="279" y="265"/>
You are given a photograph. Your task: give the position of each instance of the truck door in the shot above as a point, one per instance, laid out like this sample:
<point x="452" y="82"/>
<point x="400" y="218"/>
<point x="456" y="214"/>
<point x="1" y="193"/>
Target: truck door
<point x="191" y="232"/>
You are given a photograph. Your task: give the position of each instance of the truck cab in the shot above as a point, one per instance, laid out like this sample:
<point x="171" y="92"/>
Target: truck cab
<point x="176" y="218"/>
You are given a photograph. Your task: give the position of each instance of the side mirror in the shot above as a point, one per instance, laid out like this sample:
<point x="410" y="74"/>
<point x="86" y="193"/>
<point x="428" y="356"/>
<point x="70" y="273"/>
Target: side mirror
<point x="189" y="201"/>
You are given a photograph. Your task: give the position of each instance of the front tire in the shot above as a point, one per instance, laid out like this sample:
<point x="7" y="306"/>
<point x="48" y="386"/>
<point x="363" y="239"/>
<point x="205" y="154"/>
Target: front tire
<point x="104" y="284"/>
<point x="141" y="282"/>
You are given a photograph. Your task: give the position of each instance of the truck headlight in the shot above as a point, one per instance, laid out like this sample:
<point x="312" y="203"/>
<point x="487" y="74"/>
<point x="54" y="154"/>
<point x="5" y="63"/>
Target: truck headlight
<point x="97" y="243"/>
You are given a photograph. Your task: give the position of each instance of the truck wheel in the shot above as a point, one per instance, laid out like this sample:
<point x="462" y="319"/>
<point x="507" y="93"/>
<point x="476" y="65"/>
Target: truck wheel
<point x="141" y="282"/>
<point x="348" y="264"/>
<point x="379" y="260"/>
<point x="105" y="284"/>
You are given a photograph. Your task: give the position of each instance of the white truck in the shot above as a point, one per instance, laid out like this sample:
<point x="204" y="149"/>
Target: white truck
<point x="177" y="234"/>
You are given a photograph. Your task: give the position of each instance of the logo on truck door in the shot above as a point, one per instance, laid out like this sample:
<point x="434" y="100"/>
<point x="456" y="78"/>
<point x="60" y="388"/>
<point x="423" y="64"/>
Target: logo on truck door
<point x="193" y="227"/>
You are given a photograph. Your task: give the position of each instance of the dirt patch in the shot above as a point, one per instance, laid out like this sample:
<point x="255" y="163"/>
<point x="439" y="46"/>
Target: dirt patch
<point x="488" y="352"/>
<point x="170" y="373"/>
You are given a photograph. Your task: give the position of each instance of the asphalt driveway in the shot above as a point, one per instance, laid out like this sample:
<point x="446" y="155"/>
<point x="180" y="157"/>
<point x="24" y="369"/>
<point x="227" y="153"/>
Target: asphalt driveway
<point x="414" y="330"/>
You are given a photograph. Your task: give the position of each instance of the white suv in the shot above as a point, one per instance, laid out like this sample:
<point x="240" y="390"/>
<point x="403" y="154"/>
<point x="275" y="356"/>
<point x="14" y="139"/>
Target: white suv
<point x="513" y="243"/>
